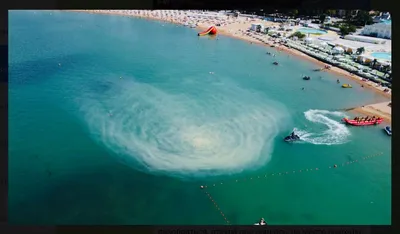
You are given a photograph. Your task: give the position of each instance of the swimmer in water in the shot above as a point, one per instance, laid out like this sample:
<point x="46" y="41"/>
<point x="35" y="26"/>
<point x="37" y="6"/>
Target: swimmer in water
<point x="303" y="88"/>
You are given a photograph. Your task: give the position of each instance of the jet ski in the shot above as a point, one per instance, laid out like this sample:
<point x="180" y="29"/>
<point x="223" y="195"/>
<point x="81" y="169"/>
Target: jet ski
<point x="292" y="137"/>
<point x="388" y="130"/>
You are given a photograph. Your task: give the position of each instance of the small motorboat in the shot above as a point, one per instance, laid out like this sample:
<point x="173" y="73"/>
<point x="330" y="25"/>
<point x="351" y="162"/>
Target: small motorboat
<point x="275" y="63"/>
<point x="306" y="78"/>
<point x="363" y="121"/>
<point x="346" y="86"/>
<point x="388" y="130"/>
<point x="261" y="222"/>
<point x="292" y="137"/>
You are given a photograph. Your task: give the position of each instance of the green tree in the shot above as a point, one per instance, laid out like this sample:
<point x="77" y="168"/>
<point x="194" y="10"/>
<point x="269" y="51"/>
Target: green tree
<point x="352" y="28"/>
<point x="298" y="35"/>
<point x="386" y="69"/>
<point x="374" y="62"/>
<point x="344" y="30"/>
<point x="295" y="12"/>
<point x="360" y="50"/>
<point x="322" y="18"/>
<point x="364" y="18"/>
<point x="348" y="15"/>
<point x="361" y="19"/>
<point x="332" y="12"/>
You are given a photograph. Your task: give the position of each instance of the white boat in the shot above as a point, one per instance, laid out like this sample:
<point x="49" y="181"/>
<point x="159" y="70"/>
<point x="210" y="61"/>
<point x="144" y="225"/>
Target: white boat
<point x="262" y="222"/>
<point x="388" y="130"/>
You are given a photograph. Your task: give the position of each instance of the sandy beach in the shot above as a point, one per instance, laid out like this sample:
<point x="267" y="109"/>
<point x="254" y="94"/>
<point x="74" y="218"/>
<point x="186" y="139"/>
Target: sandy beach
<point x="380" y="109"/>
<point x="237" y="28"/>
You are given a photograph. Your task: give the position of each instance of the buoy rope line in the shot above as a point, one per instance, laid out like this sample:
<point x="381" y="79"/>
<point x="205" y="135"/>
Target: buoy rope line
<point x="217" y="207"/>
<point x="265" y="176"/>
<point x="204" y="187"/>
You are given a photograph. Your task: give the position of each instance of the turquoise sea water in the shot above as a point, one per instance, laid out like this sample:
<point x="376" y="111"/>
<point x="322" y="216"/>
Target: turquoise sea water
<point x="312" y="31"/>
<point x="116" y="120"/>
<point x="382" y="55"/>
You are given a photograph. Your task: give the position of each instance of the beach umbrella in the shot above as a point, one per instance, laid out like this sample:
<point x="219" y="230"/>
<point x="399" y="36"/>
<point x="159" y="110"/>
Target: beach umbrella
<point x="309" y="40"/>
<point x="324" y="44"/>
<point x="338" y="50"/>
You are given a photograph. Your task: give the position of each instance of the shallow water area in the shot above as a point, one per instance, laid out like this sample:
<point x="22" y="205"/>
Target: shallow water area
<point x="113" y="120"/>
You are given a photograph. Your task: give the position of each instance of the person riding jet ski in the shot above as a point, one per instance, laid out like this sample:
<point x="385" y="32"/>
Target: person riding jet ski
<point x="292" y="137"/>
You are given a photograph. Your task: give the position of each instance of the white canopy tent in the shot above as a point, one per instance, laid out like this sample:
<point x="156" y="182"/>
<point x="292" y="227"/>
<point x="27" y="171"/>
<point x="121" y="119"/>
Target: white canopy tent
<point x="309" y="40"/>
<point x="323" y="44"/>
<point x="337" y="50"/>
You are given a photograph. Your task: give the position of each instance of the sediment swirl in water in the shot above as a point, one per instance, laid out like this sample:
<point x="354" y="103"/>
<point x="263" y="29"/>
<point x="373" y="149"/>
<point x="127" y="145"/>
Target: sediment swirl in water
<point x="212" y="129"/>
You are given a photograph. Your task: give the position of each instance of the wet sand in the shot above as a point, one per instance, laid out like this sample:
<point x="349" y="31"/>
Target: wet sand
<point x="380" y="109"/>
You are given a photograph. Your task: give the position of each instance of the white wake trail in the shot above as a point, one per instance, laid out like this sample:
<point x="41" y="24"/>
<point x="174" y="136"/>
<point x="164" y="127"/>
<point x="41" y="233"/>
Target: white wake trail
<point x="336" y="132"/>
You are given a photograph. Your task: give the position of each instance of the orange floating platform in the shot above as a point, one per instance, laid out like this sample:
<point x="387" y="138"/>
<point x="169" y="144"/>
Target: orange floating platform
<point x="210" y="31"/>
